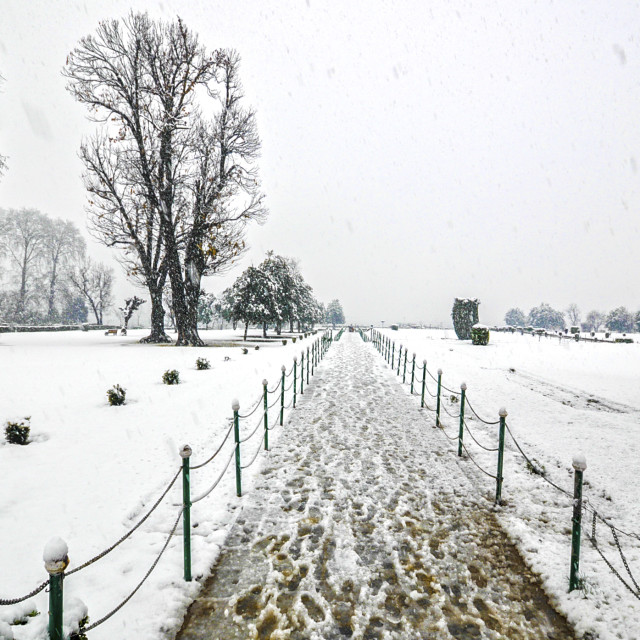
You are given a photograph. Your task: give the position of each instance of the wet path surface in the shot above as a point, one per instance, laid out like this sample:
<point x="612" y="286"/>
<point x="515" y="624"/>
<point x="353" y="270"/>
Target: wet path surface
<point x="362" y="525"/>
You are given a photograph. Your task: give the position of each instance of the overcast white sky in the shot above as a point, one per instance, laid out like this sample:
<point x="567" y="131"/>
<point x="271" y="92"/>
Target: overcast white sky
<point x="412" y="151"/>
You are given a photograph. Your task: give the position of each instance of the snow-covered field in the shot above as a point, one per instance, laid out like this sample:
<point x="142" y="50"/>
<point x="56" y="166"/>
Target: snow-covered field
<point x="563" y="398"/>
<point x="93" y="470"/>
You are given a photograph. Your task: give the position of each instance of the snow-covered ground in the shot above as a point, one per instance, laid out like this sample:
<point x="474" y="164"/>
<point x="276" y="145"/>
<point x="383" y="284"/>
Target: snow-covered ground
<point x="93" y="470"/>
<point x="563" y="398"/>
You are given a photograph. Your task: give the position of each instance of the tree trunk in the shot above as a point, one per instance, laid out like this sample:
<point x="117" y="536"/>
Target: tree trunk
<point x="290" y="325"/>
<point x="264" y="329"/>
<point x="246" y="328"/>
<point x="157" y="335"/>
<point x="279" y="328"/>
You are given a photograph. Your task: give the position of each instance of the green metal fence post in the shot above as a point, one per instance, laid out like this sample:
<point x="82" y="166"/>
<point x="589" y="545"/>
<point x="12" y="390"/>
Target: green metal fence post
<point x="438" y="398"/>
<point x="185" y="454"/>
<point x="404" y="371"/>
<point x="399" y="359"/>
<point x="265" y="403"/>
<point x="56" y="560"/>
<point x="579" y="464"/>
<point x="307" y="366"/>
<point x="393" y="355"/>
<point x="283" y="369"/>
<point x="499" y="478"/>
<point x="236" y="434"/>
<point x="413" y="371"/>
<point x="295" y="379"/>
<point x="424" y="381"/>
<point x="463" y="395"/>
<point x="302" y="373"/>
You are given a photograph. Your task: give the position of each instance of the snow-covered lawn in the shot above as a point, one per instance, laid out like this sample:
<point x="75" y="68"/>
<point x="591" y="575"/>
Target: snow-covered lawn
<point x="92" y="470"/>
<point x="563" y="398"/>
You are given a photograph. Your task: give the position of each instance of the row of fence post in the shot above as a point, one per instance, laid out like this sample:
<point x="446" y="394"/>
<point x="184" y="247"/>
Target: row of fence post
<point x="387" y="348"/>
<point x="56" y="567"/>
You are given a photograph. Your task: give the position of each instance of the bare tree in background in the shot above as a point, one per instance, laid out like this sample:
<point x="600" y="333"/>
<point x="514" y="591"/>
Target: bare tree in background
<point x="94" y="282"/>
<point x="573" y="313"/>
<point x="3" y="159"/>
<point x="62" y="246"/>
<point x="22" y="240"/>
<point x="159" y="163"/>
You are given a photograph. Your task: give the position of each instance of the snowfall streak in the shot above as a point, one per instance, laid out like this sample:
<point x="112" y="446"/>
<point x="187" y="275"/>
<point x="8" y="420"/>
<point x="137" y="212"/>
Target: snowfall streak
<point x="360" y="526"/>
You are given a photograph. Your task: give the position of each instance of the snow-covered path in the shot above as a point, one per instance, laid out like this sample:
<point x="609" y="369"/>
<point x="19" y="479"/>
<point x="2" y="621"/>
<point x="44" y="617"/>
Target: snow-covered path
<point x="362" y="525"/>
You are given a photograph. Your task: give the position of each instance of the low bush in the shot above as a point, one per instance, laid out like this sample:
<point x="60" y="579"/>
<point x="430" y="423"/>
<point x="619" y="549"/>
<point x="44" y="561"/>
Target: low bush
<point x="284" y="342"/>
<point x="202" y="364"/>
<point x="116" y="395"/>
<point x="480" y="335"/>
<point x="18" y="432"/>
<point x="171" y="376"/>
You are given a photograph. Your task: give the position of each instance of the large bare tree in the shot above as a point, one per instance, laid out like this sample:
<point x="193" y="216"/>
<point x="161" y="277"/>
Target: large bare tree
<point x="22" y="240"/>
<point x="159" y="163"/>
<point x="94" y="282"/>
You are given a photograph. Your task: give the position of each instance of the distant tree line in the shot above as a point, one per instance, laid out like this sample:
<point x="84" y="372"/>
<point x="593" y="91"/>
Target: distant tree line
<point x="46" y="276"/>
<point x="544" y="316"/>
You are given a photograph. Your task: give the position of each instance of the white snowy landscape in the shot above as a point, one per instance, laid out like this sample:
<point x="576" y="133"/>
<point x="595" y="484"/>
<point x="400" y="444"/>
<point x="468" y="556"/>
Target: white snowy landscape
<point x="91" y="471"/>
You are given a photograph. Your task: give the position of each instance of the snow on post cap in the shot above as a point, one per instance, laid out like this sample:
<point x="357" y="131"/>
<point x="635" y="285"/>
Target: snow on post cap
<point x="503" y="412"/>
<point x="295" y="358"/>
<point x="283" y="368"/>
<point x="264" y="382"/>
<point x="424" y="361"/>
<point x="579" y="462"/>
<point x="235" y="405"/>
<point x="55" y="555"/>
<point x="463" y="386"/>
<point x="414" y="355"/>
<point x="439" y="372"/>
<point x="185" y="452"/>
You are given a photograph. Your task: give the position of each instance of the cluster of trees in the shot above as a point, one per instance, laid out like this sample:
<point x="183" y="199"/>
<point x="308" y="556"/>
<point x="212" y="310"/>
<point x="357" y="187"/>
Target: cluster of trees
<point x="273" y="293"/>
<point x="619" y="319"/>
<point x="170" y="171"/>
<point x="46" y="275"/>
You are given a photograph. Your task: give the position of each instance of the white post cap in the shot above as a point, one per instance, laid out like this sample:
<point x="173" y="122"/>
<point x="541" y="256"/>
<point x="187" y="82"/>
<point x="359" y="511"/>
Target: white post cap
<point x="579" y="462"/>
<point x="55" y="556"/>
<point x="235" y="405"/>
<point x="283" y="368"/>
<point x="463" y="386"/>
<point x="439" y="372"/>
<point x="424" y="361"/>
<point x="185" y="452"/>
<point x="503" y="412"/>
<point x="264" y="382"/>
<point x="295" y="358"/>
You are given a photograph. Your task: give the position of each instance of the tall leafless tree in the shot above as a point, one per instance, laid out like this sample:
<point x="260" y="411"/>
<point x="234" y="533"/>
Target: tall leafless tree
<point x="95" y="283"/>
<point x="23" y="240"/>
<point x="573" y="314"/>
<point x="62" y="246"/>
<point x="159" y="162"/>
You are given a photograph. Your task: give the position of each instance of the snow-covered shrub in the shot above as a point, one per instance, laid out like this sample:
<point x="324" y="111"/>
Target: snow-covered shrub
<point x="464" y="315"/>
<point x="116" y="395"/>
<point x="574" y="330"/>
<point x="18" y="432"/>
<point x="202" y="364"/>
<point x="480" y="334"/>
<point x="171" y="376"/>
<point x="293" y="340"/>
<point x="284" y="342"/>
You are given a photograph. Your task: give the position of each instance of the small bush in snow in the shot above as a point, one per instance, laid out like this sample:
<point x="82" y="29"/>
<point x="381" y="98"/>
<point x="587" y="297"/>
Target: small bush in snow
<point x="202" y="364"/>
<point x="80" y="634"/>
<point x="116" y="395"/>
<point x="284" y="342"/>
<point x="394" y="327"/>
<point x="22" y="620"/>
<point x="171" y="376"/>
<point x="18" y="432"/>
<point x="480" y="335"/>
<point x="536" y="468"/>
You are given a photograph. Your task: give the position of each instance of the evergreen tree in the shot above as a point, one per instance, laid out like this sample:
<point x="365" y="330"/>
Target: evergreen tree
<point x="621" y="320"/>
<point x="546" y="317"/>
<point x="515" y="318"/>
<point x="335" y="314"/>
